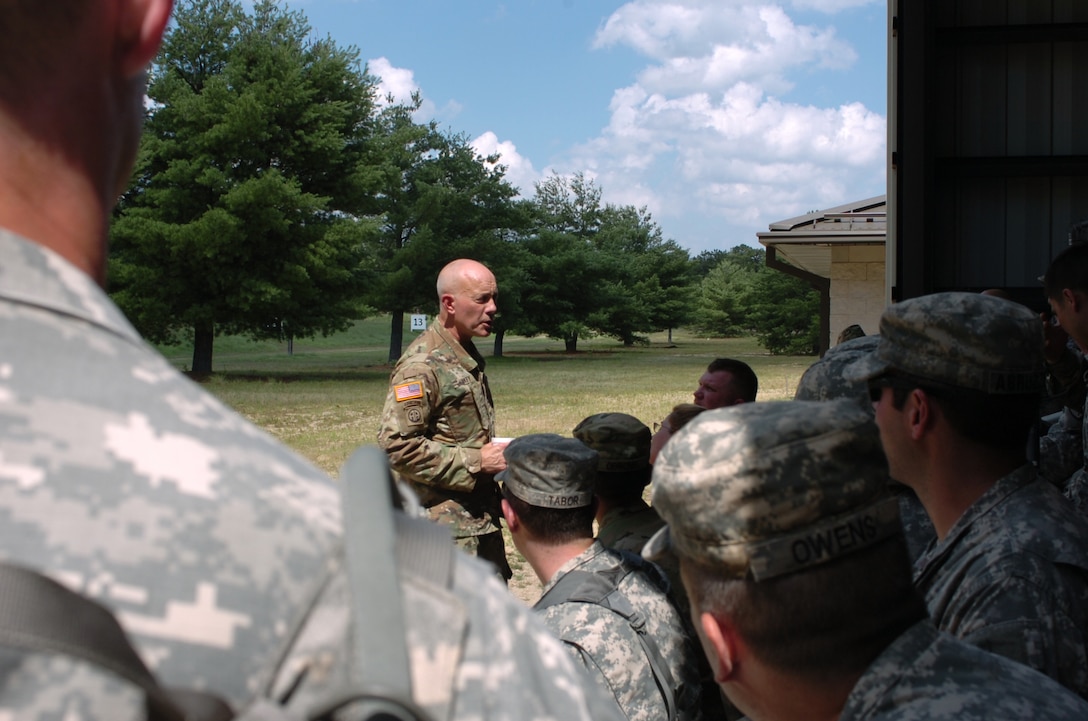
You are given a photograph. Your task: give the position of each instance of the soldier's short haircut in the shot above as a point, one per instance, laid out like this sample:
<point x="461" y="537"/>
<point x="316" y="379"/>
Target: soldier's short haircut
<point x="744" y="378"/>
<point x="825" y="622"/>
<point x="553" y="525"/>
<point x="36" y="33"/>
<point x="1068" y="269"/>
<point x="1001" y="422"/>
<point x="623" y="487"/>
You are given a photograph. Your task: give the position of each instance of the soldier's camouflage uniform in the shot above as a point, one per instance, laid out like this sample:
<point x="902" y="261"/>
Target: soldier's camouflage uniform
<point x="628" y="529"/>
<point x="761" y="490"/>
<point x="609" y="649"/>
<point x="925" y="675"/>
<point x="1063" y="453"/>
<point x="438" y="414"/>
<point x="1011" y="576"/>
<point x="213" y="543"/>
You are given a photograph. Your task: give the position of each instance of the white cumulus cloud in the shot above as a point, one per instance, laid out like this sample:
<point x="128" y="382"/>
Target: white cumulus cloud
<point x="519" y="169"/>
<point x="706" y="127"/>
<point x="398" y="83"/>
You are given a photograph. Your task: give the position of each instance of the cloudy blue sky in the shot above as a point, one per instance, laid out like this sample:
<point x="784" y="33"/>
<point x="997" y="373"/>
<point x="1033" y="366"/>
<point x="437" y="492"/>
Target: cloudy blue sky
<point x="720" y="116"/>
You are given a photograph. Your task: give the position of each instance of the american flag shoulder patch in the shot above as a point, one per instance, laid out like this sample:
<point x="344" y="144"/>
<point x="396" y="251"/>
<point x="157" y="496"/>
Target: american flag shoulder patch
<point x="408" y="391"/>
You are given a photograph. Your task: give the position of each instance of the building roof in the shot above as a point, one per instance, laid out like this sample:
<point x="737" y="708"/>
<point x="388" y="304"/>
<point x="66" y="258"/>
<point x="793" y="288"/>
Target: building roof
<point x="807" y="241"/>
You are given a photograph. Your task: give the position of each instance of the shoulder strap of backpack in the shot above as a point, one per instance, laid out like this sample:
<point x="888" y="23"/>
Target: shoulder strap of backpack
<point x="374" y="543"/>
<point x="39" y="615"/>
<point x="602" y="588"/>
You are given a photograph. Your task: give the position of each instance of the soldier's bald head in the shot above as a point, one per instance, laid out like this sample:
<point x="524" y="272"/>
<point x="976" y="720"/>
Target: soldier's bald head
<point x="456" y="274"/>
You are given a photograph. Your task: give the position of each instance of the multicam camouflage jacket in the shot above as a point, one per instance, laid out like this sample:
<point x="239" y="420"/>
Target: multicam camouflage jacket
<point x="925" y="675"/>
<point x="609" y="649"/>
<point x="219" y="549"/>
<point x="438" y="414"/>
<point x="1011" y="577"/>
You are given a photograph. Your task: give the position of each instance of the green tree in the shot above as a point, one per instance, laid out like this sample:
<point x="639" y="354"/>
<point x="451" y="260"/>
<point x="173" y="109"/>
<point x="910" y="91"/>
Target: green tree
<point x="243" y="213"/>
<point x="785" y="312"/>
<point x="648" y="284"/>
<point x="724" y="294"/>
<point x="435" y="200"/>
<point x="599" y="269"/>
<point x="742" y="296"/>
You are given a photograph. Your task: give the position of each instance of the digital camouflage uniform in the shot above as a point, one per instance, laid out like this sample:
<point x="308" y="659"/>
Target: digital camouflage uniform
<point x="213" y="543"/>
<point x="622" y="443"/>
<point x="925" y="675"/>
<point x="762" y="490"/>
<point x="438" y="415"/>
<point x="1012" y="573"/>
<point x="1011" y="576"/>
<point x="549" y="473"/>
<point x="609" y="649"/>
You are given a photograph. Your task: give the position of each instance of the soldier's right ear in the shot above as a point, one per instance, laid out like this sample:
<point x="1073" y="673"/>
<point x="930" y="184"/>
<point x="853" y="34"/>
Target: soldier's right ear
<point x="140" y="27"/>
<point x="512" y="520"/>
<point x="719" y="643"/>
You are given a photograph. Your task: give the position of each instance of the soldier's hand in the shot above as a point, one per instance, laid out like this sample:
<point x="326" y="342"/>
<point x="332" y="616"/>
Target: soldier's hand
<point x="491" y="458"/>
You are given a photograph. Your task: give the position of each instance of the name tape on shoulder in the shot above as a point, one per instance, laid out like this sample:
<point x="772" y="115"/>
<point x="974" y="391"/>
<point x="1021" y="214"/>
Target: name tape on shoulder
<point x="408" y="391"/>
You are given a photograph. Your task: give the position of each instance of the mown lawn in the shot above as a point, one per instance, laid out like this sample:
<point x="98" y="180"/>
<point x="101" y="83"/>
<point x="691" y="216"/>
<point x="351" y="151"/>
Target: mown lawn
<point x="326" y="398"/>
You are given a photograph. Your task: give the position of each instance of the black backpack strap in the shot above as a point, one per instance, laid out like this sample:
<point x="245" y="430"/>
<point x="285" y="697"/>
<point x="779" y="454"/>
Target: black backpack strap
<point x="39" y="615"/>
<point x="602" y="588"/>
<point x="382" y="685"/>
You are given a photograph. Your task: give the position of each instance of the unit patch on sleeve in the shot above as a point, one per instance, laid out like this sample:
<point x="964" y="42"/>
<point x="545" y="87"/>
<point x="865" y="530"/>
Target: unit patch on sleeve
<point x="408" y="391"/>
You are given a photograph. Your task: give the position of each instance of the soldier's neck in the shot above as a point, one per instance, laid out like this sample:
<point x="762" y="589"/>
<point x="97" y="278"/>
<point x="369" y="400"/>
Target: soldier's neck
<point x="546" y="559"/>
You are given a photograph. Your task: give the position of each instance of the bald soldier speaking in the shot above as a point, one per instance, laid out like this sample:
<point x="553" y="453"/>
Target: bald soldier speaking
<point x="438" y="423"/>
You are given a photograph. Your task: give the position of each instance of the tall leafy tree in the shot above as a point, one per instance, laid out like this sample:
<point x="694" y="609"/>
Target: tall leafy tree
<point x="649" y="286"/>
<point x="435" y="199"/>
<point x="742" y="296"/>
<point x="600" y="269"/>
<point x="244" y="212"/>
<point x="786" y="314"/>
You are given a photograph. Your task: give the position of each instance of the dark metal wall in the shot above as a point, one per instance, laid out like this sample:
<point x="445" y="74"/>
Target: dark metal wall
<point x="991" y="143"/>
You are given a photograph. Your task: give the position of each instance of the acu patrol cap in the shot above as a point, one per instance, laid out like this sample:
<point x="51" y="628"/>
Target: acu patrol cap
<point x="824" y="380"/>
<point x="760" y="490"/>
<point x="621" y="441"/>
<point x="963" y="340"/>
<point x="549" y="471"/>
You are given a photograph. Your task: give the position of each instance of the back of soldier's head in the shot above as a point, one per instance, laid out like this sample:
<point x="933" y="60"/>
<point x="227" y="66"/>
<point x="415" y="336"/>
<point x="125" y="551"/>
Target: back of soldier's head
<point x="549" y="481"/>
<point x="777" y="511"/>
<point x="622" y="443"/>
<point x="979" y="357"/>
<point x="1068" y="269"/>
<point x="37" y="40"/>
<point x="824" y="380"/>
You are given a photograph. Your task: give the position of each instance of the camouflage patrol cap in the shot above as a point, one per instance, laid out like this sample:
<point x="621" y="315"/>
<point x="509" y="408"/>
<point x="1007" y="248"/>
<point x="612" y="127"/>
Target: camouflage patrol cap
<point x="549" y="471"/>
<point x="621" y="440"/>
<point x="760" y="490"/>
<point x="965" y="340"/>
<point x="824" y="380"/>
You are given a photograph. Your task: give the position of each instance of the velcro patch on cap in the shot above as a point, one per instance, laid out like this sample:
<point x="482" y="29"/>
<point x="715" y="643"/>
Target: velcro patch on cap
<point x="408" y="391"/>
<point x="825" y="541"/>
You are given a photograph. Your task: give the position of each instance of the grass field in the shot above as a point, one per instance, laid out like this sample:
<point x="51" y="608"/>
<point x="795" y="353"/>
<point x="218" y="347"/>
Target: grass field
<point x="326" y="399"/>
